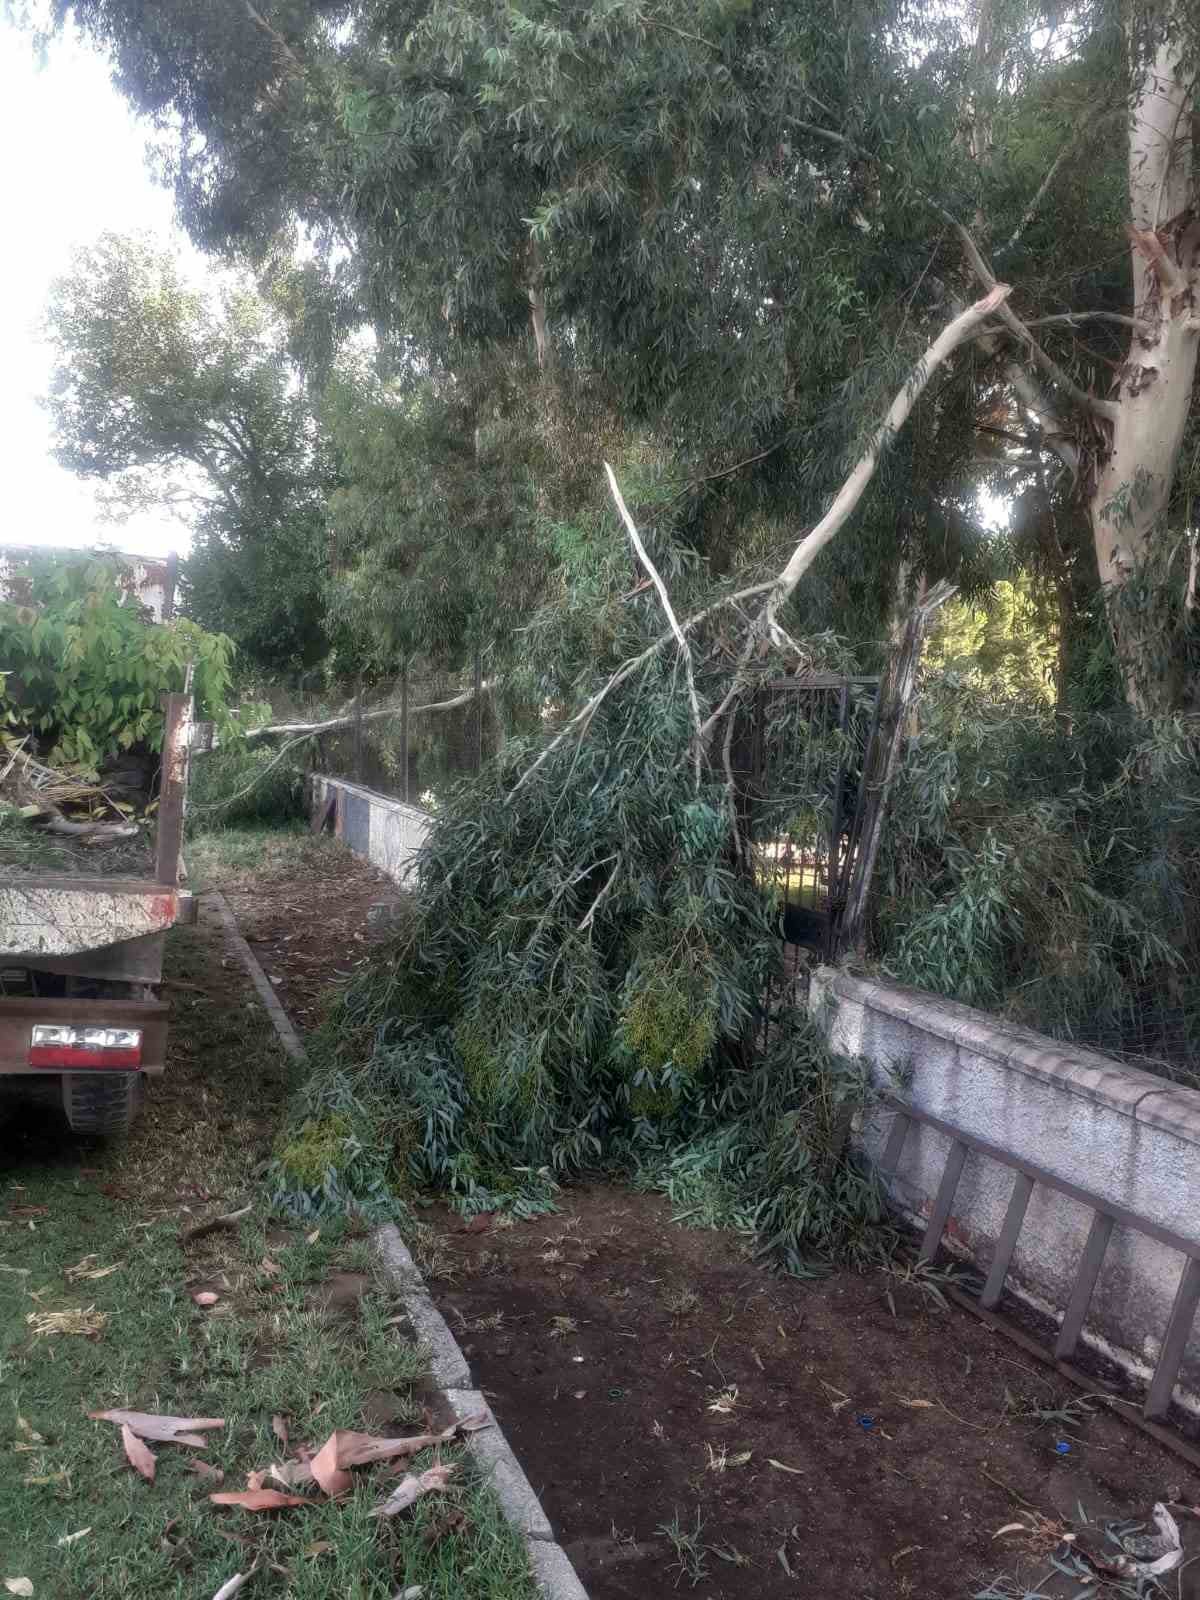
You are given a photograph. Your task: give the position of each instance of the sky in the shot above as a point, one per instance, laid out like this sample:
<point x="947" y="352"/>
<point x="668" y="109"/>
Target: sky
<point x="74" y="167"/>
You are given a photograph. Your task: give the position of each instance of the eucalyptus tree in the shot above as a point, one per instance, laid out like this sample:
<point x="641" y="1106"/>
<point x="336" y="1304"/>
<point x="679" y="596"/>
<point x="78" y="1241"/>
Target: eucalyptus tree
<point x="747" y="221"/>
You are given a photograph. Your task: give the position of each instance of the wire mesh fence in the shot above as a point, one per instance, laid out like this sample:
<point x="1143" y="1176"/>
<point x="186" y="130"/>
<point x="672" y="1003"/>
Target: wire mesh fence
<point x="412" y="736"/>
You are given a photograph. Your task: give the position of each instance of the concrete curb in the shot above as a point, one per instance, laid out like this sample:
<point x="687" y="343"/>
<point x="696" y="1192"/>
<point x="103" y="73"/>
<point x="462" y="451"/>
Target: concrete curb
<point x="550" y="1564"/>
<point x="280" y="1020"/>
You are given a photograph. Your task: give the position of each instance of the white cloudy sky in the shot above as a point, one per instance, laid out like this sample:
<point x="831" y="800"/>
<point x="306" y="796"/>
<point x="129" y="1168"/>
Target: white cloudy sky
<point x="73" y="167"/>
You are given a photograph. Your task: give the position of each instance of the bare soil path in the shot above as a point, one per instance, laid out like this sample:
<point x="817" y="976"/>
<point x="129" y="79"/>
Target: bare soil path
<point x="691" y="1420"/>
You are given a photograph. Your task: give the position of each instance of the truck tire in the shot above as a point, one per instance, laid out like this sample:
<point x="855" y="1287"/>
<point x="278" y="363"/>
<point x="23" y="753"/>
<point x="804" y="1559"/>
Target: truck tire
<point x="104" y="1103"/>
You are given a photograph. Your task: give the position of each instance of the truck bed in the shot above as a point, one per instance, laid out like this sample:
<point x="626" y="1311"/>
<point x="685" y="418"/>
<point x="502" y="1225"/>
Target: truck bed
<point x="51" y="915"/>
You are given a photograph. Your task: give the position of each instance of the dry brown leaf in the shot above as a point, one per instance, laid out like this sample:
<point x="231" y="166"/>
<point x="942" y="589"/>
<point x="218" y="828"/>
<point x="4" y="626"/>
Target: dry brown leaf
<point x="311" y="1238"/>
<point x="319" y="1547"/>
<point x="141" y="1457"/>
<point x="19" y="1585"/>
<point x="163" y="1429"/>
<point x="256" y="1479"/>
<point x="359" y="1449"/>
<point x="410" y="1490"/>
<point x="70" y="1538"/>
<point x="918" y="1405"/>
<point x="205" y="1297"/>
<point x="257" y="1499"/>
<point x="204" y="1469"/>
<point x="441" y="1527"/>
<point x="332" y="1478"/>
<point x="269" y="1268"/>
<point x="279" y="1428"/>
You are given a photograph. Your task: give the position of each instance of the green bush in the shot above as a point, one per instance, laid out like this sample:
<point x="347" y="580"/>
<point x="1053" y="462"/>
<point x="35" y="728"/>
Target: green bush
<point x="239" y="784"/>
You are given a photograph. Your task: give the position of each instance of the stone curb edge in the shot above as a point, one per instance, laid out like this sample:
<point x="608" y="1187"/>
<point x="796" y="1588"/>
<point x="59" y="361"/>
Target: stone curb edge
<point x="549" y="1562"/>
<point x="551" y="1566"/>
<point x="280" y="1020"/>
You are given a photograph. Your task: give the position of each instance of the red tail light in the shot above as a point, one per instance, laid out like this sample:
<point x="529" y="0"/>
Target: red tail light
<point x="59" y="1045"/>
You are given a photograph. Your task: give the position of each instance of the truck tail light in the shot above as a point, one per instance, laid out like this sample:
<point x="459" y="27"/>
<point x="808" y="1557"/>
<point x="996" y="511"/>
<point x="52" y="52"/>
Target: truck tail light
<point x="53" y="1044"/>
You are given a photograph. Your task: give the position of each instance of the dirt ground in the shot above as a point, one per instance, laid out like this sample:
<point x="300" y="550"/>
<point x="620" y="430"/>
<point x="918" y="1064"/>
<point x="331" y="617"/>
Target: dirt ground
<point x="820" y="1444"/>
<point x="308" y="925"/>
<point x="694" y="1423"/>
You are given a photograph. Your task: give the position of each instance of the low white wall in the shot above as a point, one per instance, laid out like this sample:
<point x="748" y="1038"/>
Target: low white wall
<point x="386" y="831"/>
<point x="1126" y="1135"/>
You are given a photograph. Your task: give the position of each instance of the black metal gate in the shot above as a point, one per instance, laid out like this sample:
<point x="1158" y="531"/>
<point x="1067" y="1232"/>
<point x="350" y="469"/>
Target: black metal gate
<point x="806" y="749"/>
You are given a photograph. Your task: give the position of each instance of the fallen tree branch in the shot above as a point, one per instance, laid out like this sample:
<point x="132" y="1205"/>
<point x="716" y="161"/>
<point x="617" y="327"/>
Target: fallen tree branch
<point x="685" y="649"/>
<point x="590" y="914"/>
<point x="309" y="729"/>
<point x="955" y="333"/>
<point x="579" y="722"/>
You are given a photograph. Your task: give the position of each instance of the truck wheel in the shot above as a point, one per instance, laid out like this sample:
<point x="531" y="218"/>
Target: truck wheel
<point x="102" y="1102"/>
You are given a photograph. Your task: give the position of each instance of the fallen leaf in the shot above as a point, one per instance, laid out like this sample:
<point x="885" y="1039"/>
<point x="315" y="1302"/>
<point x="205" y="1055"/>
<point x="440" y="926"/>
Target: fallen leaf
<point x="1010" y="1527"/>
<point x="358" y="1449"/>
<point x="141" y="1457"/>
<point x="70" y="1538"/>
<point x="19" y="1585"/>
<point x="279" y="1428"/>
<point x="29" y="1211"/>
<point x="311" y="1238"/>
<point x="164" y="1429"/>
<point x="319" y="1547"/>
<point x="782" y="1466"/>
<point x="24" y="1427"/>
<point x="479" y="1223"/>
<point x="919" y="1405"/>
<point x="204" y="1469"/>
<point x="410" y="1489"/>
<point x="740" y="1459"/>
<point x="255" y="1480"/>
<point x="291" y="1473"/>
<point x="270" y="1268"/>
<point x="257" y="1499"/>
<point x="228" y="1590"/>
<point x="333" y="1479"/>
<point x="205" y="1297"/>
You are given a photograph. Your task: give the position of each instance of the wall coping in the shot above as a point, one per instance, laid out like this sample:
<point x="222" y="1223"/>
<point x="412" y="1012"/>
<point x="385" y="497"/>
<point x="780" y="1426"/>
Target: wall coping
<point x="373" y="797"/>
<point x="1127" y="1091"/>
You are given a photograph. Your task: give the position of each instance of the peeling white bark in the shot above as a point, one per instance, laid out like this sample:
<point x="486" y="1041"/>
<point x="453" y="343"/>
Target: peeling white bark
<point x="1135" y="475"/>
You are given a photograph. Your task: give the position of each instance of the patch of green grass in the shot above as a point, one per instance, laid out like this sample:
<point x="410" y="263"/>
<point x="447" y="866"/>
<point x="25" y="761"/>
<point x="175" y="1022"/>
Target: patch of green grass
<point x="270" y="1346"/>
<point x="233" y="858"/>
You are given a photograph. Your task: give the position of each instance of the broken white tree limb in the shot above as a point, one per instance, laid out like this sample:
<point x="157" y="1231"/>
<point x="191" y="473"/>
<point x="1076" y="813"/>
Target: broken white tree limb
<point x="685" y="650"/>
<point x="851" y="492"/>
<point x="309" y="729"/>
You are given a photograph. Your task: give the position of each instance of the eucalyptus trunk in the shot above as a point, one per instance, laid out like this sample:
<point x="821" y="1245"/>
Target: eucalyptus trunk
<point x="1131" y="491"/>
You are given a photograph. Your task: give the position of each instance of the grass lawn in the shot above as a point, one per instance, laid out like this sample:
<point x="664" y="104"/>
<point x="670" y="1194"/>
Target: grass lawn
<point x="302" y="1330"/>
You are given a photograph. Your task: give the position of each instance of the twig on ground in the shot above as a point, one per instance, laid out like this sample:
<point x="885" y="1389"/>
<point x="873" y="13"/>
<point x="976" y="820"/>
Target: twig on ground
<point x="213" y="1225"/>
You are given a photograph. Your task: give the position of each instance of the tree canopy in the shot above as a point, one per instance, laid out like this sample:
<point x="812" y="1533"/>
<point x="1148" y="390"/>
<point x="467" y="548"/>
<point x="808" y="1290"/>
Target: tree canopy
<point x="173" y="400"/>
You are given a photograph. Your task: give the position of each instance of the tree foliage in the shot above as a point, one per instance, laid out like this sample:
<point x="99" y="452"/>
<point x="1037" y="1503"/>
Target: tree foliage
<point x="86" y="666"/>
<point x="172" y="400"/>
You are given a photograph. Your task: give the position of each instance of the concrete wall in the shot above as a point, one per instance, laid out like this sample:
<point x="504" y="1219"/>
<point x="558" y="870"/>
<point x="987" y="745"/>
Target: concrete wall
<point x="1124" y="1134"/>
<point x="385" y="831"/>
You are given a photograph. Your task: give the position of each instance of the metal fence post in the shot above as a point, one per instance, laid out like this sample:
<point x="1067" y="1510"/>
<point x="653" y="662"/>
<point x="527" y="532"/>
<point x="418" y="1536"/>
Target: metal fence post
<point x="358" y="733"/>
<point x="404" y="734"/>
